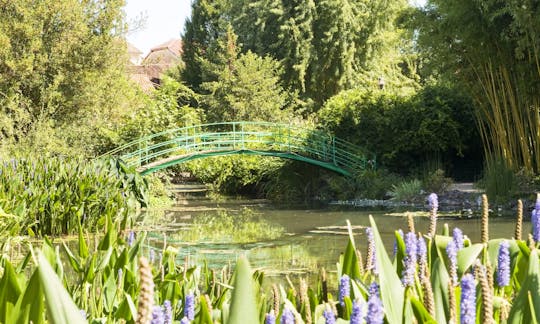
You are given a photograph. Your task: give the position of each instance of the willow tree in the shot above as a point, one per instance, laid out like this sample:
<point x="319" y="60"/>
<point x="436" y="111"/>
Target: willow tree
<point x="493" y="48"/>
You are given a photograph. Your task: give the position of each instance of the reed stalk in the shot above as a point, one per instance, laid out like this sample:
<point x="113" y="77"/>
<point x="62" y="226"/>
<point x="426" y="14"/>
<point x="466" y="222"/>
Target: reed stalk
<point x="519" y="220"/>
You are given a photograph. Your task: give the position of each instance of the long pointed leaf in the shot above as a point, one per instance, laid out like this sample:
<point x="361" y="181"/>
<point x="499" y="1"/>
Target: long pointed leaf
<point x="392" y="292"/>
<point x="243" y="303"/>
<point x="60" y="308"/>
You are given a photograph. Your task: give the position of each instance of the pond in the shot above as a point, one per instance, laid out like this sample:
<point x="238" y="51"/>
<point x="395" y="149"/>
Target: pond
<point x="288" y="241"/>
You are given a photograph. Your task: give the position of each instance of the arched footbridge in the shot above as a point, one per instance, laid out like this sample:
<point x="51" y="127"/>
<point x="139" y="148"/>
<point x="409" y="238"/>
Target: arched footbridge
<point x="158" y="151"/>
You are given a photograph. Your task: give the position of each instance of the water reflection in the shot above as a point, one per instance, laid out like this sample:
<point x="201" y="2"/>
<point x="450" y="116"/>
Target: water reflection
<point x="291" y="241"/>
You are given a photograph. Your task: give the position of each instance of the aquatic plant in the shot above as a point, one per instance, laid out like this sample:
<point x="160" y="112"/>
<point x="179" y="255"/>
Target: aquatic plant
<point x="52" y="196"/>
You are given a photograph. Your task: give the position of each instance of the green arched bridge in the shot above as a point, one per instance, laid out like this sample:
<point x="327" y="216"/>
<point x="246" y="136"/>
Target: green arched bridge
<point x="161" y="150"/>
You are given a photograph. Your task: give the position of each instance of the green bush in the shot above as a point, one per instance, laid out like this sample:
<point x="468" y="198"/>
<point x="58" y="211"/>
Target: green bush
<point x="405" y="132"/>
<point x="436" y="182"/>
<point x="407" y="191"/>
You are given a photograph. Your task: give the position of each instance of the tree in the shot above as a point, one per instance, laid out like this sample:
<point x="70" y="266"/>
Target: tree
<point x="207" y="25"/>
<point x="247" y="90"/>
<point x="62" y="68"/>
<point x="323" y="46"/>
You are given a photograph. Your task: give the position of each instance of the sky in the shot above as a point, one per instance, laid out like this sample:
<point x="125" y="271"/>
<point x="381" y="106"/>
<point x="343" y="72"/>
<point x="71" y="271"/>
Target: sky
<point x="163" y="20"/>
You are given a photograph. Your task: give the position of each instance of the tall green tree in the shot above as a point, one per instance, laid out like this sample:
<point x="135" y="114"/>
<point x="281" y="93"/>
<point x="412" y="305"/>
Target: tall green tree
<point x="62" y="68"/>
<point x="493" y="49"/>
<point x="200" y="43"/>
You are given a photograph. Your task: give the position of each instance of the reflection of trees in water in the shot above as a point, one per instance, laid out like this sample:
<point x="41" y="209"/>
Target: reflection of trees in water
<point x="225" y="226"/>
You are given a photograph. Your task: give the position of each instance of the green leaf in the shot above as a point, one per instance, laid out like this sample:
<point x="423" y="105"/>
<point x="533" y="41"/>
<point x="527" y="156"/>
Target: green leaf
<point x="350" y="265"/>
<point x="83" y="248"/>
<point x="30" y="308"/>
<point x="243" y="302"/>
<point x="60" y="308"/>
<point x="204" y="313"/>
<point x="439" y="282"/>
<point x="467" y="256"/>
<point x="392" y="292"/>
<point x="522" y="310"/>
<point x="10" y="290"/>
<point x="420" y="312"/>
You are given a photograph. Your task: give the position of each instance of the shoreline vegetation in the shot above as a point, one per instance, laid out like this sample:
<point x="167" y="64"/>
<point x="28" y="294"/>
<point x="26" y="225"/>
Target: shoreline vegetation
<point x="434" y="277"/>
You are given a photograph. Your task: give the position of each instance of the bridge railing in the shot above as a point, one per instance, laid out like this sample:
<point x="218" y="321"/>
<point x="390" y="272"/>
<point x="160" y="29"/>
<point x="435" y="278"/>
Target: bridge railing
<point x="243" y="136"/>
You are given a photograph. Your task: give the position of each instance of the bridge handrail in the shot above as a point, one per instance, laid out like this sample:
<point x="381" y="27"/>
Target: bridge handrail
<point x="229" y="134"/>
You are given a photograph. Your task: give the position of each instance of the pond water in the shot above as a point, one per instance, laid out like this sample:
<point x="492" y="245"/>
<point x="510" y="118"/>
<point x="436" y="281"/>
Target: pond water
<point x="298" y="242"/>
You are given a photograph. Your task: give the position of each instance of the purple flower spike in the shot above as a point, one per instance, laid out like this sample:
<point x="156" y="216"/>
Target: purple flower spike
<point x="410" y="260"/>
<point x="167" y="312"/>
<point x="421" y="248"/>
<point x="287" y="317"/>
<point x="131" y="239"/>
<point x="356" y="314"/>
<point x="451" y="251"/>
<point x="329" y="316"/>
<point x="270" y="318"/>
<point x="457" y="235"/>
<point x="535" y="221"/>
<point x="344" y="289"/>
<point x="189" y="307"/>
<point x="371" y="242"/>
<point x="184" y="320"/>
<point x="433" y="201"/>
<point x="503" y="266"/>
<point x="468" y="299"/>
<point x="375" y="313"/>
<point x="157" y="315"/>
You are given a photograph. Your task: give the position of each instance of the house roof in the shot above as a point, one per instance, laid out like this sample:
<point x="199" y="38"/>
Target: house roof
<point x="132" y="50"/>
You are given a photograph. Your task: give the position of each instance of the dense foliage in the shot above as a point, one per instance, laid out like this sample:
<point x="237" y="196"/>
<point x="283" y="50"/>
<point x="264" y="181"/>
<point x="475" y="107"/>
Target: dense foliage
<point x="434" y="126"/>
<point x="47" y="196"/>
<point x="492" y="49"/>
<point x="323" y="46"/>
<point x="63" y="84"/>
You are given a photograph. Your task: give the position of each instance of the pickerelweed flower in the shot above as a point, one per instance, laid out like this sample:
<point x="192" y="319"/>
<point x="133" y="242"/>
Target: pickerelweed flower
<point x="433" y="201"/>
<point x="270" y="318"/>
<point x="287" y="317"/>
<point x="503" y="264"/>
<point x="468" y="300"/>
<point x="157" y="315"/>
<point x="329" y="316"/>
<point x="189" y="307"/>
<point x="434" y="206"/>
<point x="457" y="236"/>
<point x="421" y="252"/>
<point x="409" y="261"/>
<point x="375" y="313"/>
<point x="184" y="320"/>
<point x="371" y="247"/>
<point x="451" y="251"/>
<point x="344" y="289"/>
<point x="131" y="238"/>
<point x="167" y="312"/>
<point x="400" y="232"/>
<point x="356" y="314"/>
<point x="535" y="220"/>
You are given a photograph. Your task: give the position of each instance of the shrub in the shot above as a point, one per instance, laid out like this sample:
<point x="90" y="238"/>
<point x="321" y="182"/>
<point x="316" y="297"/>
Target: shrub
<point x="408" y="191"/>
